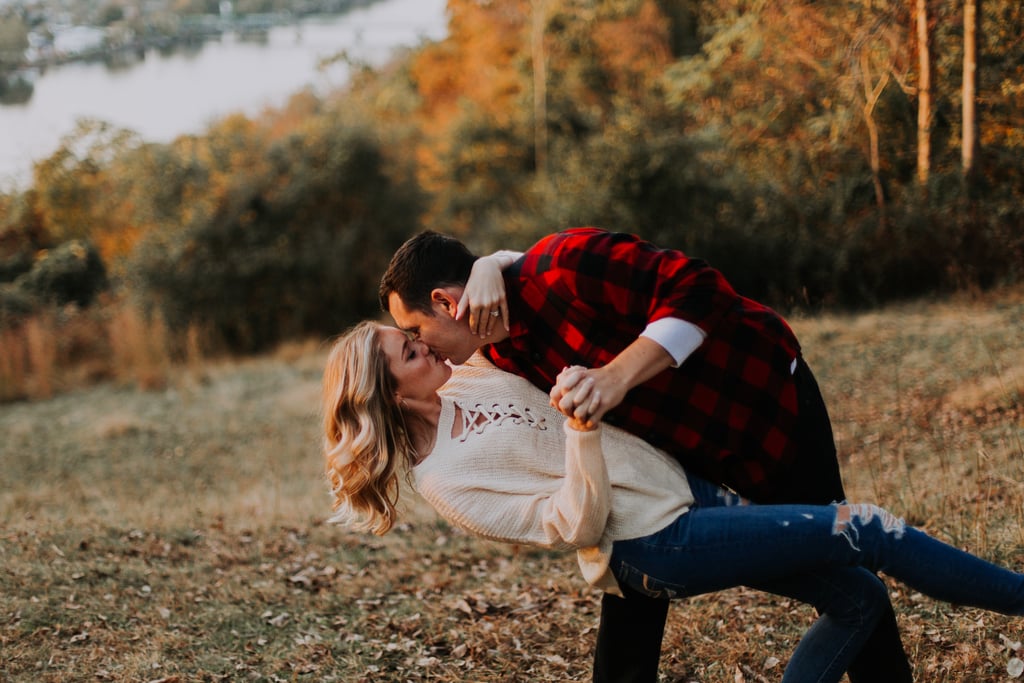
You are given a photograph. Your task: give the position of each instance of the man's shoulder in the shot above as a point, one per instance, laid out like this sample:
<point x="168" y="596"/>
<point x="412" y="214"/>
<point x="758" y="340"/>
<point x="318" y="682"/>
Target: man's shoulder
<point x="572" y="243"/>
<point x="567" y="238"/>
<point x="564" y="250"/>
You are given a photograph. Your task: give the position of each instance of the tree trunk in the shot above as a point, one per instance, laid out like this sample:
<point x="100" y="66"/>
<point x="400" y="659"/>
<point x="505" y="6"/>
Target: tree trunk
<point x="540" y="113"/>
<point x="970" y="105"/>
<point x="871" y="95"/>
<point x="924" y="95"/>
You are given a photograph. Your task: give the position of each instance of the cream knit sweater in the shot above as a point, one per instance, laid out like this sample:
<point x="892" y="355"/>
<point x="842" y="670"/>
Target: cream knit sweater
<point x="517" y="473"/>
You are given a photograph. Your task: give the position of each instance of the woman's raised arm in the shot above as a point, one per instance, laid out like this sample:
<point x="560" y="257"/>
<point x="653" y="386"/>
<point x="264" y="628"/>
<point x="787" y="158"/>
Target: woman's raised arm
<point x="484" y="294"/>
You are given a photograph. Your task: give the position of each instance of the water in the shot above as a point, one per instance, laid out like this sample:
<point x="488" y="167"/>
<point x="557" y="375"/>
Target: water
<point x="163" y="96"/>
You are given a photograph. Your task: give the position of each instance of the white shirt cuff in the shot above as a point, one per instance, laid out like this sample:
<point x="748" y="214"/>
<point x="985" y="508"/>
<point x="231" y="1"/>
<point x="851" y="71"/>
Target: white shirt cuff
<point x="678" y="337"/>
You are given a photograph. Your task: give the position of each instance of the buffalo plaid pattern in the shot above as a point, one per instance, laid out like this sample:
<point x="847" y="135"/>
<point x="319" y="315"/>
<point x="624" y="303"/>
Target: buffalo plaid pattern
<point x="728" y="413"/>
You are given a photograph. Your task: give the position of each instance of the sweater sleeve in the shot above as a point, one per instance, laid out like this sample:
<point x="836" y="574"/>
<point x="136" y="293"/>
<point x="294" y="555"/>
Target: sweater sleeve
<point x="504" y="506"/>
<point x="579" y="511"/>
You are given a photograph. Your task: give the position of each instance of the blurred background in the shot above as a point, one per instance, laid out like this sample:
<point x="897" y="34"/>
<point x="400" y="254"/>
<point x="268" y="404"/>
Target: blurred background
<point x="184" y="179"/>
<point x="195" y="194"/>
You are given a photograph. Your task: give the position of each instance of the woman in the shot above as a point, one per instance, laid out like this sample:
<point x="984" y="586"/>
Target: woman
<point x="490" y="453"/>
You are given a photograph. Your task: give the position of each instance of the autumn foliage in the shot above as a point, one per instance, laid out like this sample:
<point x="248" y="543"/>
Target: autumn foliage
<point x="777" y="140"/>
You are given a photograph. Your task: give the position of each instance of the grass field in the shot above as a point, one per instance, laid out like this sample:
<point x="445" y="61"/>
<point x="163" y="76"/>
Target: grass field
<point x="179" y="535"/>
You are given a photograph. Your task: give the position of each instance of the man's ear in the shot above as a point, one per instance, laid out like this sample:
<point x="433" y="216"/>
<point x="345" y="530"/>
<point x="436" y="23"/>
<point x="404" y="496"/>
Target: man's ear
<point x="444" y="301"/>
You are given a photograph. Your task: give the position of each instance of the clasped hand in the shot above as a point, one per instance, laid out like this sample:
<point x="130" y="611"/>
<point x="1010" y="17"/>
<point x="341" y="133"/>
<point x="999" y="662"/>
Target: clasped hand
<point x="584" y="395"/>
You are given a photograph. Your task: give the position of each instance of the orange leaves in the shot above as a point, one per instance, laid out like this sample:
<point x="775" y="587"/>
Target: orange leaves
<point x="634" y="49"/>
<point x="490" y="115"/>
<point x="478" y="62"/>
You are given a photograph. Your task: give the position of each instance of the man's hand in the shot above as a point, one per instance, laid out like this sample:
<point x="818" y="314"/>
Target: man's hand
<point x="588" y="393"/>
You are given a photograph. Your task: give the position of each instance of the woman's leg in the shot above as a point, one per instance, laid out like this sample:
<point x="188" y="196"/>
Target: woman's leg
<point x="712" y="548"/>
<point x="814" y="477"/>
<point x="851" y="602"/>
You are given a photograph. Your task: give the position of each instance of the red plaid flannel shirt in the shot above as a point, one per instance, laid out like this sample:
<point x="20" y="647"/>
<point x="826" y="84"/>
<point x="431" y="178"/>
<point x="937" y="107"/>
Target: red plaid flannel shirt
<point x="728" y="413"/>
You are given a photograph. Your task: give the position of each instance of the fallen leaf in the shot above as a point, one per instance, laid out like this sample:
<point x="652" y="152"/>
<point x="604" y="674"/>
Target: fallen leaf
<point x="1015" y="667"/>
<point x="463" y="606"/>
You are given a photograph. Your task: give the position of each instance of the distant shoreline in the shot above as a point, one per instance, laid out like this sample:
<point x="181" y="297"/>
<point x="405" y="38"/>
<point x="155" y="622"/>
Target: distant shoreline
<point x="18" y="83"/>
<point x="193" y="30"/>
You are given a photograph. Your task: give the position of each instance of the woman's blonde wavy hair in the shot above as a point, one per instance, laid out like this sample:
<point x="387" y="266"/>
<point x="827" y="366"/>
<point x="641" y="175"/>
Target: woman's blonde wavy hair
<point x="365" y="441"/>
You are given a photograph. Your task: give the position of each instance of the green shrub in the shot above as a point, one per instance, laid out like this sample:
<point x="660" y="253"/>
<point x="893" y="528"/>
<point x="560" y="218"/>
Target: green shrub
<point x="14" y="266"/>
<point x="292" y="249"/>
<point x="69" y="273"/>
<point x="15" y="305"/>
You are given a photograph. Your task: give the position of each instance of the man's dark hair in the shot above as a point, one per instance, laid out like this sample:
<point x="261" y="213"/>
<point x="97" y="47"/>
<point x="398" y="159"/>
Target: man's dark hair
<point x="425" y="262"/>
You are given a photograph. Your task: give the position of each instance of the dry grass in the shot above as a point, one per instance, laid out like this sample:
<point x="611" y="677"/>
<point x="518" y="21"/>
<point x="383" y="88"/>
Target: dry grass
<point x="41" y="344"/>
<point x="178" y="535"/>
<point x="139" y="347"/>
<point x="68" y="349"/>
<point x="13" y="364"/>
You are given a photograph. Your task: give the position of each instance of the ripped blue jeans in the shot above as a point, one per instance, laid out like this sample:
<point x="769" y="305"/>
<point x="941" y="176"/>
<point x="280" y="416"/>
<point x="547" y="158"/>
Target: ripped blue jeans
<point x="823" y="555"/>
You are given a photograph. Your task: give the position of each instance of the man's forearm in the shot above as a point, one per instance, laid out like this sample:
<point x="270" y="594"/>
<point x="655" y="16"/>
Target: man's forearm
<point x="588" y="393"/>
<point x="638" y="362"/>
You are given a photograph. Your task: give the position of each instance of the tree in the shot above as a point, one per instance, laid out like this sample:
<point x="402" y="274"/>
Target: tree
<point x="13" y="41"/>
<point x="873" y="90"/>
<point x="924" y="93"/>
<point x="539" y="12"/>
<point x="73" y="186"/>
<point x="879" y="37"/>
<point x="289" y="245"/>
<point x="969" y="145"/>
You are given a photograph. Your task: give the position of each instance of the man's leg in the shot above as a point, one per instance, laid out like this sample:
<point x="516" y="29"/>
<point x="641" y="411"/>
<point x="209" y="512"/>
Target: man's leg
<point x="629" y="638"/>
<point x="816" y="479"/>
<point x="882" y="659"/>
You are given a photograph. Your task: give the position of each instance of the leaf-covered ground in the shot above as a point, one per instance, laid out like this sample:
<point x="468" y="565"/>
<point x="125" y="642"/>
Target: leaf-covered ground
<point x="179" y="535"/>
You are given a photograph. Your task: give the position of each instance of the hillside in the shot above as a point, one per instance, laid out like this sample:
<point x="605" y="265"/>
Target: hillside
<point x="179" y="535"/>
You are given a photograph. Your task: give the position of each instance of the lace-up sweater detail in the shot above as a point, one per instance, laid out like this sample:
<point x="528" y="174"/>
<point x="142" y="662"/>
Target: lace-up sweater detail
<point x="476" y="418"/>
<point x="510" y="469"/>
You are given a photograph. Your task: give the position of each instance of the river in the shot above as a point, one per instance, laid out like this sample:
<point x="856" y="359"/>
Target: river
<point x="162" y="96"/>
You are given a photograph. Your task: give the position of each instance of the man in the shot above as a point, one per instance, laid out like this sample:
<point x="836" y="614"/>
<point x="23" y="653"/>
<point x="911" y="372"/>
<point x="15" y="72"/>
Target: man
<point x="670" y="352"/>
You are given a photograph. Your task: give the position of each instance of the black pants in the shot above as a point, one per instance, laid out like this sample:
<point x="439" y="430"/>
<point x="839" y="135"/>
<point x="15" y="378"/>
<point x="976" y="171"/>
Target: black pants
<point x="629" y="637"/>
